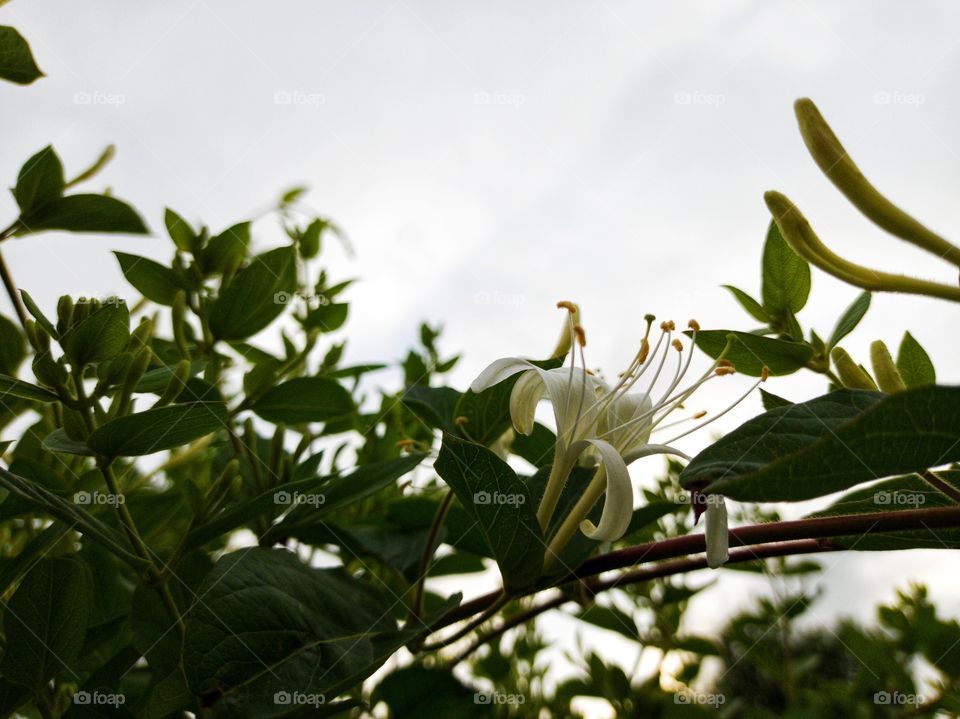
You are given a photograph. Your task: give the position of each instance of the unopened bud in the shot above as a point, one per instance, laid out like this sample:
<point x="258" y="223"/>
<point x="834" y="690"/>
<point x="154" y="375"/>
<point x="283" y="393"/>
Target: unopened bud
<point x="884" y="369"/>
<point x="851" y="374"/>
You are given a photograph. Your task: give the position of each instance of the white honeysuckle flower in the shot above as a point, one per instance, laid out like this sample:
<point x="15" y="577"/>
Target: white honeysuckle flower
<point x="715" y="531"/>
<point x="612" y="424"/>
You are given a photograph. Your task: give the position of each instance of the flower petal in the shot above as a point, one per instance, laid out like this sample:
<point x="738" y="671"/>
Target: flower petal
<point x="498" y="371"/>
<point x="716" y="533"/>
<point x="621" y="412"/>
<point x="524" y="397"/>
<point x="618" y="505"/>
<point x="646" y="450"/>
<point x="574" y="400"/>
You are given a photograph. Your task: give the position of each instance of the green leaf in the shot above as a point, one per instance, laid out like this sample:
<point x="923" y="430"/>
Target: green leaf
<point x="500" y="502"/>
<point x="786" y="275"/>
<point x="327" y="317"/>
<point x="304" y="399"/>
<point x="45" y="622"/>
<point x="434" y="406"/>
<point x="610" y="618"/>
<point x="537" y="447"/>
<point x="914" y="363"/>
<point x="19" y="388"/>
<point x="157" y="429"/>
<point x="850" y="318"/>
<point x="830" y="443"/>
<point x="83" y="213"/>
<point x="154" y="281"/>
<point x="253" y="299"/>
<point x="40" y="180"/>
<point x="753" y="308"/>
<point x="16" y="61"/>
<point x="269" y="623"/>
<point x="419" y="691"/>
<point x="58" y="441"/>
<point x="772" y="401"/>
<point x="337" y="492"/>
<point x="229" y="246"/>
<point x="310" y="239"/>
<point x="894" y="495"/>
<point x="13" y="349"/>
<point x="102" y="335"/>
<point x="179" y="230"/>
<point x="751" y="353"/>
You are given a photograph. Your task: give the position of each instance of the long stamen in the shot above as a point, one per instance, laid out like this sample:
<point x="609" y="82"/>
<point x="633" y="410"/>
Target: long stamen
<point x="746" y="394"/>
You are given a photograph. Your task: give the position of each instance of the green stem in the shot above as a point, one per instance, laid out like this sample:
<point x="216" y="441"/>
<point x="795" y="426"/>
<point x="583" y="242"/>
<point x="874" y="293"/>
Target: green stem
<point x="571" y="524"/>
<point x="15" y="298"/>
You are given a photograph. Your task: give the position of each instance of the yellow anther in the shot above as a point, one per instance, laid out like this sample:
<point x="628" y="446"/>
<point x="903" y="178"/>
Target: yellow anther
<point x="461" y="420"/>
<point x="700" y="415"/>
<point x="764" y="373"/>
<point x="724" y="363"/>
<point x="677" y="346"/>
<point x="644" y="351"/>
<point x="405" y="444"/>
<point x="668" y="326"/>
<point x="580" y="334"/>
<point x="721" y="371"/>
<point x="568" y="306"/>
<point x="694" y="325"/>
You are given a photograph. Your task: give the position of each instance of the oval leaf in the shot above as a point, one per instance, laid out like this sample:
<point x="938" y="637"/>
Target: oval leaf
<point x="256" y="296"/>
<point x="751" y="353"/>
<point x="157" y="429"/>
<point x="154" y="281"/>
<point x="83" y="213"/>
<point x="786" y="275"/>
<point x="304" y="399"/>
<point x="16" y="61"/>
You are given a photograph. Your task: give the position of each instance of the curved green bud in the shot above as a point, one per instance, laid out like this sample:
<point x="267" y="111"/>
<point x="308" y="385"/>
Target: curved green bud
<point x="797" y="231"/>
<point x="178" y="380"/>
<point x="843" y="172"/>
<point x="851" y="374"/>
<point x="179" y="318"/>
<point x="885" y="369"/>
<point x="64" y="314"/>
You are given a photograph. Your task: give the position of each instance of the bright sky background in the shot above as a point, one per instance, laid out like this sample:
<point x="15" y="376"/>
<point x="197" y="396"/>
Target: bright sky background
<point x="611" y="153"/>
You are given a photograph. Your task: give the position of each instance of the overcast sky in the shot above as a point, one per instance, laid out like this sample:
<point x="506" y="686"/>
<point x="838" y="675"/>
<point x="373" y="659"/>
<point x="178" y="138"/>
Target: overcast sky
<point x="488" y="159"/>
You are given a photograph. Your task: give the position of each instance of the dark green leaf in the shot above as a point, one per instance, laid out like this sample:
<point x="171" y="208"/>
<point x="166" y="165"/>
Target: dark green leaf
<point x="13" y="349"/>
<point x="786" y="275"/>
<point x="256" y="296"/>
<point x="850" y="318"/>
<point x="229" y="246"/>
<point x="751" y="353"/>
<point x="914" y="363"/>
<point x="16" y="61"/>
<point x="537" y="447"/>
<point x="610" y="618"/>
<point x="310" y="239"/>
<point x="58" y="441"/>
<point x="500" y="502"/>
<point x="434" y="406"/>
<point x="40" y="181"/>
<point x="83" y="213"/>
<point x="321" y="629"/>
<point x="830" y="443"/>
<point x="157" y="429"/>
<point x="18" y="388"/>
<point x="327" y="317"/>
<point x="45" y="622"/>
<point x="772" y="401"/>
<point x="154" y="281"/>
<point x="304" y="399"/>
<point x="753" y="308"/>
<point x="102" y="335"/>
<point x="419" y="691"/>
<point x="340" y="492"/>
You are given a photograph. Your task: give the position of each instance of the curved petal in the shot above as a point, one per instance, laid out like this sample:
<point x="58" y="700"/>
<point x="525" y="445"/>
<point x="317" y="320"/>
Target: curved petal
<point x="618" y="505"/>
<point x="648" y="449"/>
<point x="574" y="400"/>
<point x="716" y="533"/>
<point x="620" y="414"/>
<point x="500" y="370"/>
<point x="524" y="397"/>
